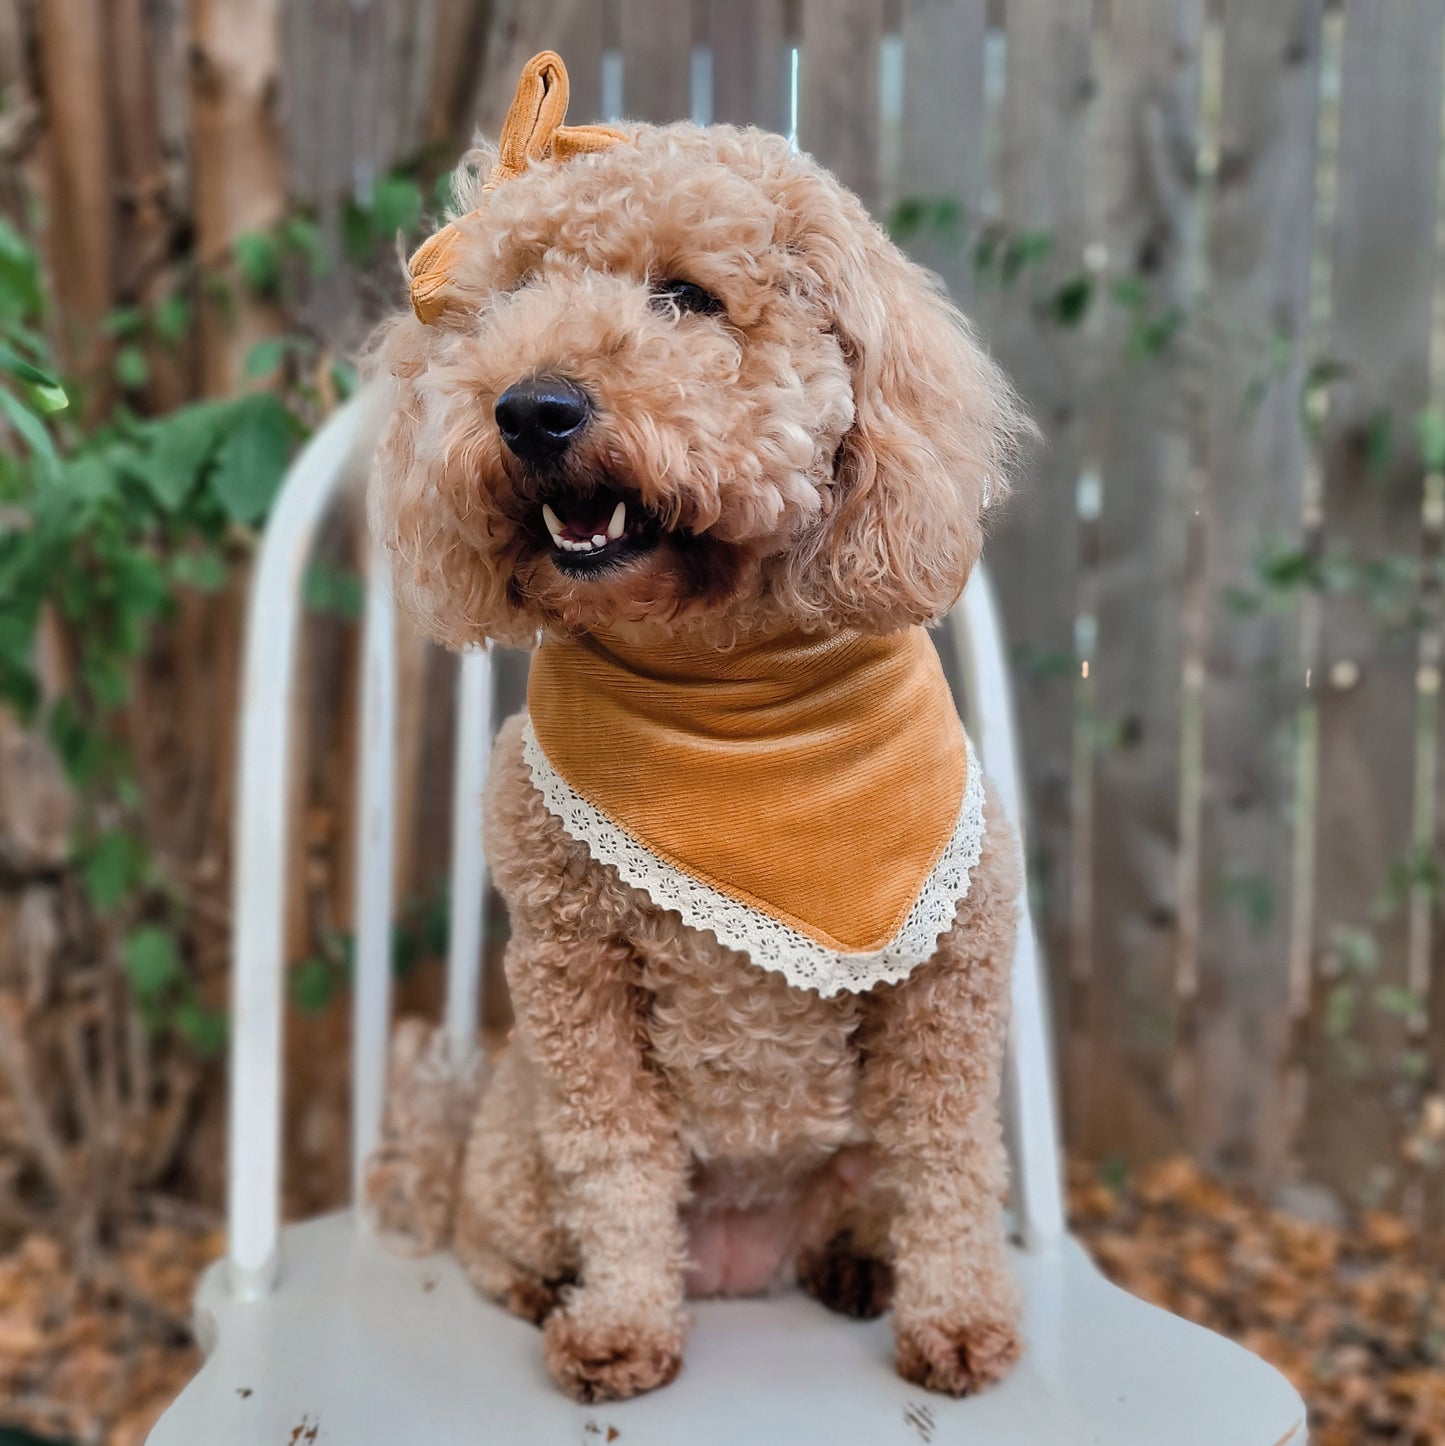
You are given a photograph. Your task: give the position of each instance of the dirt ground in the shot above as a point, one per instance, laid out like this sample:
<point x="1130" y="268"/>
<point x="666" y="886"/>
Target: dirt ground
<point x="1355" y="1317"/>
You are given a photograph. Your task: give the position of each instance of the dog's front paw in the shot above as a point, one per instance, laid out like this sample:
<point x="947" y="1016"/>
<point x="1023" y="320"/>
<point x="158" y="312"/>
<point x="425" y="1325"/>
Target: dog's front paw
<point x="957" y="1359"/>
<point x="596" y="1356"/>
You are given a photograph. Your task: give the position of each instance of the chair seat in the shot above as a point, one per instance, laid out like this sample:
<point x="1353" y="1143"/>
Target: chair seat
<point x="371" y="1349"/>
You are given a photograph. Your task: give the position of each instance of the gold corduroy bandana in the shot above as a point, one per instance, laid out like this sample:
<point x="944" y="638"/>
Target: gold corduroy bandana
<point x="533" y="131"/>
<point x="814" y="781"/>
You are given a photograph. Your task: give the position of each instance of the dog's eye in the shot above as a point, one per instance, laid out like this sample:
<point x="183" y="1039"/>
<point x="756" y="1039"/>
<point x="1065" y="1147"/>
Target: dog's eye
<point x="686" y="296"/>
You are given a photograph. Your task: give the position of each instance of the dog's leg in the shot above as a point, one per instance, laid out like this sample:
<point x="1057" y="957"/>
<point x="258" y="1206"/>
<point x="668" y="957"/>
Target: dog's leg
<point x="933" y="1050"/>
<point x="607" y="1133"/>
<point x="508" y="1235"/>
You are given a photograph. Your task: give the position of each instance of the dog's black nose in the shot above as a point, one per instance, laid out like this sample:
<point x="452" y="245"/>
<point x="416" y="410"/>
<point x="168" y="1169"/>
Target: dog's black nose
<point x="542" y="416"/>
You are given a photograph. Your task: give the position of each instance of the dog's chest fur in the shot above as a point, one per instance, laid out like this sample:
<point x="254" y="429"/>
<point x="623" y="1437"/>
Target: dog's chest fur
<point x="763" y="1075"/>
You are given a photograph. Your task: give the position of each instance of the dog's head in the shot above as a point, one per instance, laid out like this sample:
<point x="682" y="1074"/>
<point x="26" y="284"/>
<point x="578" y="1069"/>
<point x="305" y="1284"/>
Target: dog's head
<point x="687" y="381"/>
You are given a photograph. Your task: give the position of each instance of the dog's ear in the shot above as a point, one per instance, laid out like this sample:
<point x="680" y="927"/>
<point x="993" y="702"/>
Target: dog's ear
<point x="935" y="431"/>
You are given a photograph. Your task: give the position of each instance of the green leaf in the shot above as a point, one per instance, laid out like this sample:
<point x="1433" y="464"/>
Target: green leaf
<point x="343" y="378"/>
<point x="1130" y="292"/>
<point x="1356" y="948"/>
<point x="124" y="321"/>
<point x="266" y="356"/>
<point x="114" y="866"/>
<point x="1380" y="441"/>
<point x="21" y="294"/>
<point x="258" y="259"/>
<point x="172" y="318"/>
<point x="1152" y="335"/>
<point x="1340" y="1010"/>
<point x="31" y="429"/>
<point x="132" y="370"/>
<point x="1028" y="248"/>
<point x="47" y="390"/>
<point x="205" y="571"/>
<point x="203" y="1028"/>
<point x="1430" y="438"/>
<point x="1396" y="999"/>
<point x="181" y="445"/>
<point x="313" y="984"/>
<point x="356" y="237"/>
<point x="395" y="206"/>
<point x="1071" y="300"/>
<point x="337" y="591"/>
<point x="152" y="960"/>
<point x="302" y="236"/>
<point x="252" y="458"/>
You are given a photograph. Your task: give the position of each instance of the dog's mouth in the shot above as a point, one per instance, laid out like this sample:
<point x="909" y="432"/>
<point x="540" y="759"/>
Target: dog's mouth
<point x="595" y="531"/>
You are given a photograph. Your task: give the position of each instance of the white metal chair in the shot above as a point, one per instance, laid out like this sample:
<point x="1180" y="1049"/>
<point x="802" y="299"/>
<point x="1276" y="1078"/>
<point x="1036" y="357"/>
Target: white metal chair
<point x="314" y="1333"/>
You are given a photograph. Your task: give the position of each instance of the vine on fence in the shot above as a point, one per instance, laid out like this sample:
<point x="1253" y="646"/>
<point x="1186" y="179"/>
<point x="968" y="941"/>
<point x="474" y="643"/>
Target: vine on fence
<point x="108" y="515"/>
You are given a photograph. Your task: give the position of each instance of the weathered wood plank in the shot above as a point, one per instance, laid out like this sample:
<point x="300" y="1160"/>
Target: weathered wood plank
<point x="580" y="44"/>
<point x="1141" y="189"/>
<point x="750" y="63"/>
<point x="1260" y="244"/>
<point x="838" y="89"/>
<point x="1383" y="272"/>
<point x="1033" y="555"/>
<point x="656" y="59"/>
<point x="239" y="172"/>
<point x="80" y="217"/>
<point x="943" y="124"/>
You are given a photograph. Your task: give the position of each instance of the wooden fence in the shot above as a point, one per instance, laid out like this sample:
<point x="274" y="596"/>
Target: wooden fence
<point x="1203" y="236"/>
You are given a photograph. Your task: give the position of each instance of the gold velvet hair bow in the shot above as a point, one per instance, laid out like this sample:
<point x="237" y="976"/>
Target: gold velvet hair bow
<point x="533" y="131"/>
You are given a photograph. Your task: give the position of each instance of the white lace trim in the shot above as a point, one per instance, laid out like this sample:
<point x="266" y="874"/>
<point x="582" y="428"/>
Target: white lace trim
<point x="769" y="942"/>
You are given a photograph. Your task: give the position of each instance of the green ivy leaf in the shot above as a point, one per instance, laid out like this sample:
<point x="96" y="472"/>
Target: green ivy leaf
<point x="344" y="378"/>
<point x="356" y="236"/>
<point x="203" y="1028"/>
<point x="1430" y="438"/>
<point x="205" y="571"/>
<point x="31" y="429"/>
<point x="181" y="445"/>
<point x="172" y="318"/>
<point x="252" y="459"/>
<point x="46" y="389"/>
<point x="302" y="235"/>
<point x="21" y="296"/>
<point x="1380" y="441"/>
<point x="1071" y="300"/>
<point x="152" y="960"/>
<point x="1396" y="999"/>
<point x="266" y="356"/>
<point x="132" y="370"/>
<point x="336" y="591"/>
<point x="313" y="985"/>
<point x="124" y="321"/>
<point x="395" y="206"/>
<point x="1130" y="292"/>
<point x="113" y="867"/>
<point x="1340" y="1010"/>
<point x="258" y="259"/>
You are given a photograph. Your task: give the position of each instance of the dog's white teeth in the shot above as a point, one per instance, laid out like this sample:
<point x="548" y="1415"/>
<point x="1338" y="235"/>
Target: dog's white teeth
<point x="615" y="526"/>
<point x="599" y="541"/>
<point x="554" y="524"/>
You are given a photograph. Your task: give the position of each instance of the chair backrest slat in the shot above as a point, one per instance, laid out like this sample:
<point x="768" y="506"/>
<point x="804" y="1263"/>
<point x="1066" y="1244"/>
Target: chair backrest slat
<point x="253" y="1200"/>
<point x="376" y="801"/>
<point x="1030" y="1114"/>
<point x="467" y="936"/>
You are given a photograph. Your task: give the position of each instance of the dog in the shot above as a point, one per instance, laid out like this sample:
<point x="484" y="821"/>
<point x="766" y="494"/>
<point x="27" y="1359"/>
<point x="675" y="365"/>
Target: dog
<point x="672" y="388"/>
